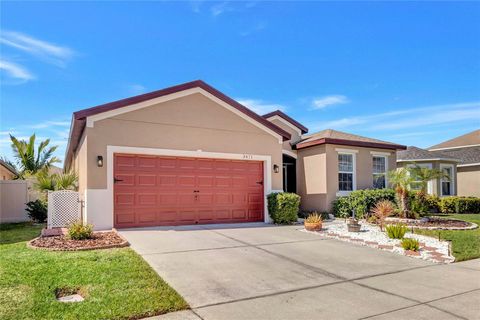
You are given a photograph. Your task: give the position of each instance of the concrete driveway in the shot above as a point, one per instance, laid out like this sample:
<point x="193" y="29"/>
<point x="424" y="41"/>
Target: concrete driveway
<point x="259" y="271"/>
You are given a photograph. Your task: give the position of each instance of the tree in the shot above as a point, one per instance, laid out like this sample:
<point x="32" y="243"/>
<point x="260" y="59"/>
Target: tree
<point x="29" y="160"/>
<point x="423" y="175"/>
<point x="401" y="180"/>
<point x="56" y="181"/>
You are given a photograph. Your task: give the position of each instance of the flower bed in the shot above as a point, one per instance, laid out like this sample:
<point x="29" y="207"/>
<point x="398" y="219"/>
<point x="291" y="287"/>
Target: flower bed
<point x="431" y="249"/>
<point x="100" y="240"/>
<point x="434" y="223"/>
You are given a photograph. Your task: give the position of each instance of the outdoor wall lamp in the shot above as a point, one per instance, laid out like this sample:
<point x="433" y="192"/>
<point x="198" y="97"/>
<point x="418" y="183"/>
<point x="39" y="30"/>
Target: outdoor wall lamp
<point x="276" y="169"/>
<point x="99" y="161"/>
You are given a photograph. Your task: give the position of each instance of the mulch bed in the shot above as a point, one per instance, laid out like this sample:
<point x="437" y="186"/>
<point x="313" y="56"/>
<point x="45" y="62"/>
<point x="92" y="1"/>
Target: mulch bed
<point x="100" y="240"/>
<point x="436" y="223"/>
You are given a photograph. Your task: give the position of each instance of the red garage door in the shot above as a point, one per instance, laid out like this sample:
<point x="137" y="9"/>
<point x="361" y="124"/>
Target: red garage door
<point x="156" y="191"/>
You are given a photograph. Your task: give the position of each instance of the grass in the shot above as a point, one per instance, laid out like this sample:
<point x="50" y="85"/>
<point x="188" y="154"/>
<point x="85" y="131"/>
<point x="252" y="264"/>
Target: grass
<point x="116" y="283"/>
<point x="465" y="243"/>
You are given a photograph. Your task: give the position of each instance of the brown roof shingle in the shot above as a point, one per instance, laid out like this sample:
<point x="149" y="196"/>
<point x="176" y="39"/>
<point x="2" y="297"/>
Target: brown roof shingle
<point x="471" y="138"/>
<point x="343" y="138"/>
<point x="414" y="154"/>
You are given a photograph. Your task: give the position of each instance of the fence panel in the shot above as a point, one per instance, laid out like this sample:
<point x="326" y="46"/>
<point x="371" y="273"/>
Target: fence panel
<point x="64" y="207"/>
<point x="13" y="197"/>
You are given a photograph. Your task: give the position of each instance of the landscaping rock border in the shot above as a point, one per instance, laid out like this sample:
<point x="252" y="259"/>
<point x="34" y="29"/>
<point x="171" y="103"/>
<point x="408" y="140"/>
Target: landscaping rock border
<point x="413" y="223"/>
<point x="101" y="240"/>
<point x="431" y="249"/>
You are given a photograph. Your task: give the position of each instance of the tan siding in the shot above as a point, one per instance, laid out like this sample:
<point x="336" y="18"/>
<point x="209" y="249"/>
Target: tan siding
<point x="295" y="136"/>
<point x="468" y="181"/>
<point x="189" y="123"/>
<point x="6" y="174"/>
<point x="318" y="185"/>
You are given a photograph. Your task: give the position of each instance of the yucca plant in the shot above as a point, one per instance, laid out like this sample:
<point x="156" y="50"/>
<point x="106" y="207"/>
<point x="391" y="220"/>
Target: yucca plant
<point x="313" y="218"/>
<point x="396" y="231"/>
<point x="382" y="210"/>
<point x="410" y="244"/>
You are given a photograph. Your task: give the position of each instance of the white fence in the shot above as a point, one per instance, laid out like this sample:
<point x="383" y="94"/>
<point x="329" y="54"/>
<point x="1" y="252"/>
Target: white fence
<point x="64" y="207"/>
<point x="13" y="197"/>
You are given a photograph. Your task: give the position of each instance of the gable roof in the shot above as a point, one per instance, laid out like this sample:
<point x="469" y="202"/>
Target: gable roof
<point x="330" y="136"/>
<point x="467" y="155"/>
<point x="8" y="167"/>
<point x="285" y="117"/>
<point x="79" y="117"/>
<point x="468" y="139"/>
<point x="417" y="154"/>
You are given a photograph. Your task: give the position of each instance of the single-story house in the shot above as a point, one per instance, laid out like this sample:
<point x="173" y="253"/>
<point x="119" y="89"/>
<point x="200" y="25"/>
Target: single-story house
<point x="189" y="154"/>
<point x="465" y="148"/>
<point x="7" y="172"/>
<point x="446" y="186"/>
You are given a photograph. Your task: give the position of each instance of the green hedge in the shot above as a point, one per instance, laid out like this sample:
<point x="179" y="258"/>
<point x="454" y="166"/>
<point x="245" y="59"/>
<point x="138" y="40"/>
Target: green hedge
<point x="459" y="205"/>
<point x="423" y="204"/>
<point x="362" y="201"/>
<point x="283" y="207"/>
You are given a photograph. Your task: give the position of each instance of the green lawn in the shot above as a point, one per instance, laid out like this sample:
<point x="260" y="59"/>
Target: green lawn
<point x="116" y="283"/>
<point x="465" y="243"/>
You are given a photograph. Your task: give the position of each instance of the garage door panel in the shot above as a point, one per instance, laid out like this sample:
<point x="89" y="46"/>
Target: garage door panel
<point x="147" y="199"/>
<point x="159" y="190"/>
<point x="166" y="180"/>
<point x="147" y="180"/>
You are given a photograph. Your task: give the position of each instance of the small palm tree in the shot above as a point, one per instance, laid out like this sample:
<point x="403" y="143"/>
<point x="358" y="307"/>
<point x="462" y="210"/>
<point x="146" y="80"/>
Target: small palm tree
<point x="29" y="160"/>
<point x="424" y="175"/>
<point x="56" y="181"/>
<point x="401" y="180"/>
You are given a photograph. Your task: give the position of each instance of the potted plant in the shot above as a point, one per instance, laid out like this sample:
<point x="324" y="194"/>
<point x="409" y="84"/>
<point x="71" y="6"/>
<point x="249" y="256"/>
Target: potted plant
<point x="353" y="225"/>
<point x="313" y="222"/>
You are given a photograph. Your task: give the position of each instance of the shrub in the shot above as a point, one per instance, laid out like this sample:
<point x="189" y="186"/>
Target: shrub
<point x="362" y="201"/>
<point x="313" y="218"/>
<point x="80" y="231"/>
<point x="382" y="210"/>
<point x="396" y="231"/>
<point x="37" y="210"/>
<point x="305" y="213"/>
<point x="433" y="203"/>
<point x="460" y="205"/>
<point x="283" y="207"/>
<point x="410" y="244"/>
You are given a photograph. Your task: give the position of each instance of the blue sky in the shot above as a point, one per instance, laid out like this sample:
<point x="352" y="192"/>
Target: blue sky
<point x="403" y="72"/>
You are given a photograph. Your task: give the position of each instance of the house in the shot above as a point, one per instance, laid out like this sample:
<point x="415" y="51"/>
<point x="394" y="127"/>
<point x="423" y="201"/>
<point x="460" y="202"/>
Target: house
<point x="189" y="154"/>
<point x="446" y="186"/>
<point x="7" y="172"/>
<point x="466" y="149"/>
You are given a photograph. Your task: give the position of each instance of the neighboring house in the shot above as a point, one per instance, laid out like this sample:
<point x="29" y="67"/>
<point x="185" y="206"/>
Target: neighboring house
<point x="189" y="154"/>
<point x="7" y="172"/>
<point x="466" y="149"/>
<point x="439" y="160"/>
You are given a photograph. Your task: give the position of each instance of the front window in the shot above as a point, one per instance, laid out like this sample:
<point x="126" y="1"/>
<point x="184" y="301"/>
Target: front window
<point x="345" y="172"/>
<point x="379" y="172"/>
<point x="447" y="181"/>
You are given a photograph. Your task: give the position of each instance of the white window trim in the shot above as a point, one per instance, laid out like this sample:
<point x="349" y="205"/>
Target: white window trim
<point x="385" y="156"/>
<point x="452" y="181"/>
<point x="378" y="153"/>
<point x="424" y="165"/>
<point x="353" y="153"/>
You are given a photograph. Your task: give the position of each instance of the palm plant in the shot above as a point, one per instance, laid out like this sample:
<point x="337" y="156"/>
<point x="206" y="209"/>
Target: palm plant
<point x="423" y="175"/>
<point x="29" y="160"/>
<point x="401" y="180"/>
<point x="56" y="181"/>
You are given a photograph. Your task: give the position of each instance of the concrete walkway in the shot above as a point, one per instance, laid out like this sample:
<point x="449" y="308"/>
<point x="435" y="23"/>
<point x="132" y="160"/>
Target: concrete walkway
<point x="259" y="271"/>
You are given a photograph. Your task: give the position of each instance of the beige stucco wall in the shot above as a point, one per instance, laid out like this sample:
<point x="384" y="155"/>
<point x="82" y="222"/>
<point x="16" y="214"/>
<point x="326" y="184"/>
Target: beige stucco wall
<point x="468" y="181"/>
<point x="6" y="174"/>
<point x="435" y="184"/>
<point x="317" y="173"/>
<point x="295" y="133"/>
<point x="80" y="165"/>
<point x="190" y="123"/>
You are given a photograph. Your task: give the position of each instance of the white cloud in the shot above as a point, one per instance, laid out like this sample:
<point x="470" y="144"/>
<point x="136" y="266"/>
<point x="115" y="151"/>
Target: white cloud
<point x="323" y="102"/>
<point x="256" y="28"/>
<point x="408" y="118"/>
<point x="220" y="8"/>
<point x="16" y="71"/>
<point x="47" y="51"/>
<point x="135" y="89"/>
<point x="260" y="106"/>
<point x="50" y="124"/>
